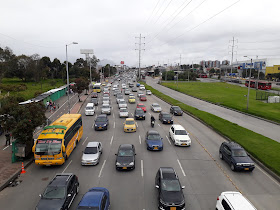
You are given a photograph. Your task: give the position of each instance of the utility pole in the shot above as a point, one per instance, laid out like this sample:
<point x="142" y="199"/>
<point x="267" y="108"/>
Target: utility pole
<point x="232" y="50"/>
<point x="180" y="61"/>
<point x="139" y="50"/>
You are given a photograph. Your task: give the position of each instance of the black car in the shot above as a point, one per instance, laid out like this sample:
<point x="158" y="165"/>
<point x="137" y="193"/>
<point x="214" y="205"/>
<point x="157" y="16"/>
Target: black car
<point x="60" y="192"/>
<point x="176" y="110"/>
<point x="165" y="117"/>
<point x="170" y="192"/>
<point x="94" y="101"/>
<point x="236" y="157"/>
<point x="131" y="85"/>
<point x="125" y="157"/>
<point x="139" y="114"/>
<point x="101" y="122"/>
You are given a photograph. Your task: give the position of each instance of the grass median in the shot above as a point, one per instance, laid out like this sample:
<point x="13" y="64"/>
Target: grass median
<point x="232" y="96"/>
<point x="262" y="148"/>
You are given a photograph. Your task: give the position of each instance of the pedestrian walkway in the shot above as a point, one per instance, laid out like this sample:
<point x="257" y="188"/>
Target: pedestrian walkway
<point x="9" y="170"/>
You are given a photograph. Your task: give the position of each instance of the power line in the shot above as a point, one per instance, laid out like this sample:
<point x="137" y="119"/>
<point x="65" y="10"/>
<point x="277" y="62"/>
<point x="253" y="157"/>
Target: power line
<point x="159" y="8"/>
<point x="275" y="40"/>
<point x="152" y="12"/>
<point x="164" y="10"/>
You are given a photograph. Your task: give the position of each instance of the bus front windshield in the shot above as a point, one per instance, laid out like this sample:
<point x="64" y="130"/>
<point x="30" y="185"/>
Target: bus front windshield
<point x="48" y="146"/>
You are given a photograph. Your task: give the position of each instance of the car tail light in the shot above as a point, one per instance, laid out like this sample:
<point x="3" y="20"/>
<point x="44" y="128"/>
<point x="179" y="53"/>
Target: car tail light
<point x="218" y="198"/>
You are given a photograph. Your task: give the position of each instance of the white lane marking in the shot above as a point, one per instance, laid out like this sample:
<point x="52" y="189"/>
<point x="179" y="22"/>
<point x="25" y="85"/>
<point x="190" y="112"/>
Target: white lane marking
<point x="6" y="147"/>
<point x="142" y="168"/>
<point x="267" y="175"/>
<point x="159" y="125"/>
<point x="168" y="140"/>
<point x="136" y="124"/>
<point x="181" y="167"/>
<point x="114" y="124"/>
<point x="140" y="139"/>
<point x="102" y="168"/>
<point x="74" y="105"/>
<point x="113" y="115"/>
<point x="97" y="107"/>
<point x="62" y="106"/>
<point x="131" y="114"/>
<point x="92" y="125"/>
<point x="112" y="108"/>
<point x="61" y="112"/>
<point x="67" y="166"/>
<point x="149" y="113"/>
<point x="85" y="140"/>
<point x="111" y="140"/>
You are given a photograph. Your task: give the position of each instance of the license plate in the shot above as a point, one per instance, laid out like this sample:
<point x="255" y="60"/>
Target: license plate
<point x="246" y="169"/>
<point x="140" y="117"/>
<point x="156" y="148"/>
<point x="47" y="165"/>
<point x="100" y="127"/>
<point x="184" y="144"/>
<point x="172" y="208"/>
<point x="124" y="168"/>
<point x="168" y="121"/>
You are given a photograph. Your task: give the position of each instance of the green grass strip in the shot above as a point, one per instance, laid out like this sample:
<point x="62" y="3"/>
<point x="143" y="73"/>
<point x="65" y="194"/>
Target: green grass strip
<point x="262" y="148"/>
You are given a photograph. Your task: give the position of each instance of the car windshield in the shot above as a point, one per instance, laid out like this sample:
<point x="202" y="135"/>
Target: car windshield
<point x="156" y="105"/>
<point x="141" y="105"/>
<point x="129" y="122"/>
<point x="89" y="108"/>
<point x="239" y="153"/>
<point x="90" y="150"/>
<point x="94" y="100"/>
<point x="105" y="107"/>
<point x="180" y="132"/>
<point x="125" y="153"/>
<point x="121" y="102"/>
<point x="139" y="111"/>
<point x="166" y="116"/>
<point x="123" y="110"/>
<point x="48" y="146"/>
<point x="154" y="137"/>
<point x="177" y="108"/>
<point x="170" y="185"/>
<point x="100" y="119"/>
<point x="88" y="207"/>
<point x="54" y="192"/>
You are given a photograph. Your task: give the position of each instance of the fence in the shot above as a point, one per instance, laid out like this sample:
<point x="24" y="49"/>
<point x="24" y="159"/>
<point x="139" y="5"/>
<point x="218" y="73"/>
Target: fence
<point x="263" y="95"/>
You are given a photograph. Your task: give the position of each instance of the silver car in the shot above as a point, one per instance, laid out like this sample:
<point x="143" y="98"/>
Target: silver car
<point x="156" y="107"/>
<point x="92" y="153"/>
<point x="123" y="112"/>
<point x="106" y="109"/>
<point x="122" y="104"/>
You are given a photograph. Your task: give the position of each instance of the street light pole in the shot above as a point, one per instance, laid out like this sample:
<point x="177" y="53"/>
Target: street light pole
<point x="249" y="84"/>
<point x="68" y="88"/>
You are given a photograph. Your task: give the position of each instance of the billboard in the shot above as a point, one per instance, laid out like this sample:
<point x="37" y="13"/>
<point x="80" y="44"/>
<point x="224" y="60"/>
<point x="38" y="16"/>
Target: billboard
<point x="86" y="51"/>
<point x="122" y="62"/>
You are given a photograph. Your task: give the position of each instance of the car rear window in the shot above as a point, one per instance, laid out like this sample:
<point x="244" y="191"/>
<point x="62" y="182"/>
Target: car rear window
<point x="90" y="150"/>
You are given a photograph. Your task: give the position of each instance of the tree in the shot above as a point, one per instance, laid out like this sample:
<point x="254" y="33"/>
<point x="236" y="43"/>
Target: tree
<point x="81" y="84"/>
<point x="22" y="120"/>
<point x="156" y="72"/>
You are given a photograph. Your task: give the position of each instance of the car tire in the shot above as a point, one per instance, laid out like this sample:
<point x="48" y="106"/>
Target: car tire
<point x="232" y="167"/>
<point x="221" y="156"/>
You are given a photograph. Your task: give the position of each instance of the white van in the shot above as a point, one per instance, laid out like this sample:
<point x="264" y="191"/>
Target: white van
<point x="233" y="200"/>
<point x="89" y="110"/>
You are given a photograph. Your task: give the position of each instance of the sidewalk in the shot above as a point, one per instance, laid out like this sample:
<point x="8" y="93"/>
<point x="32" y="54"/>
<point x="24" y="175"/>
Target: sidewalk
<point x="10" y="171"/>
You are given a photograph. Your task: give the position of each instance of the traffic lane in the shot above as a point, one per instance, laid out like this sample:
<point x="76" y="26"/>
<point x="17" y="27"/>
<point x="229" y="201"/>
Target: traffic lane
<point x="248" y="183"/>
<point x="257" y="125"/>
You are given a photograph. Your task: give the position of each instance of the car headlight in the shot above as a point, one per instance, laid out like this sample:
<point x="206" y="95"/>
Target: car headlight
<point x="252" y="164"/>
<point x="59" y="158"/>
<point x="162" y="202"/>
<point x="164" y="119"/>
<point x="118" y="164"/>
<point x="131" y="164"/>
<point x="137" y="115"/>
<point x="239" y="164"/>
<point x="105" y="124"/>
<point x="95" y="125"/>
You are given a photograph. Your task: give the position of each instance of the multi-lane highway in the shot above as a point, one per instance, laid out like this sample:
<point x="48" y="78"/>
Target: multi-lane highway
<point x="198" y="167"/>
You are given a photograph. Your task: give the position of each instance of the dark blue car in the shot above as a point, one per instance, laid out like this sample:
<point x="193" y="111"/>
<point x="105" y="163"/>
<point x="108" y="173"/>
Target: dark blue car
<point x="96" y="198"/>
<point x="154" y="141"/>
<point x="101" y="122"/>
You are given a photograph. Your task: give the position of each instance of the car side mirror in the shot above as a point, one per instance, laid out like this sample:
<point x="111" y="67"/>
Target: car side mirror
<point x="157" y="186"/>
<point x="183" y="187"/>
<point x="69" y="195"/>
<point x="135" y="154"/>
<point x="115" y="154"/>
<point x="40" y="195"/>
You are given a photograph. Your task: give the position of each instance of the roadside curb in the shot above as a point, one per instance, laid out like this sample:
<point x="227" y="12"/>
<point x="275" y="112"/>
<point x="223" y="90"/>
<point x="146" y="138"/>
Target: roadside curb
<point x="84" y="102"/>
<point x="266" y="169"/>
<point x="15" y="175"/>
<point x="257" y="117"/>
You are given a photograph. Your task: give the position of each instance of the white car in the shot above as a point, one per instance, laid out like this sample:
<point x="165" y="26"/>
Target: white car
<point x="148" y="92"/>
<point x="140" y="93"/>
<point x="233" y="200"/>
<point x="122" y="104"/>
<point x="92" y="153"/>
<point x="90" y="109"/>
<point x="123" y="112"/>
<point x="106" y="109"/>
<point x="142" y="87"/>
<point x="156" y="107"/>
<point x="179" y="136"/>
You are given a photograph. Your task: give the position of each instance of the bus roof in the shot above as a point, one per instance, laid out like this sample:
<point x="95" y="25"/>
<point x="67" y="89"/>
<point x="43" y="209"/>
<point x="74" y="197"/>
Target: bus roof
<point x="97" y="84"/>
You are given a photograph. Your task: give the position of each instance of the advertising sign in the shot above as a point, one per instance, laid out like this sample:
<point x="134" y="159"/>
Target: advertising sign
<point x="122" y="62"/>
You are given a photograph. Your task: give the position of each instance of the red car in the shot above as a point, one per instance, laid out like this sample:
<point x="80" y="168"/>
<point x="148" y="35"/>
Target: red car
<point x="143" y="98"/>
<point x="142" y="106"/>
<point x="94" y="95"/>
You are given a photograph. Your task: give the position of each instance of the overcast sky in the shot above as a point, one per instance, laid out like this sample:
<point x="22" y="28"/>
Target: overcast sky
<point x="196" y="29"/>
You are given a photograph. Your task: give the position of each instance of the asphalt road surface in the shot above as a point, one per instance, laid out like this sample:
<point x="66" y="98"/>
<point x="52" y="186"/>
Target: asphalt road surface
<point x="262" y="127"/>
<point x="198" y="167"/>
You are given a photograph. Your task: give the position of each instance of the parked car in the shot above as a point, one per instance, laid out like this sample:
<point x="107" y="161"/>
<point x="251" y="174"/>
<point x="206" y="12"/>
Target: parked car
<point x="143" y="98"/>
<point x="233" y="200"/>
<point x="106" y="109"/>
<point x="154" y="140"/>
<point x="92" y="153"/>
<point x="60" y="192"/>
<point x="148" y="92"/>
<point x="129" y="125"/>
<point x="165" y="117"/>
<point x="170" y="194"/>
<point x="236" y="157"/>
<point x="155" y="107"/>
<point x="125" y="157"/>
<point x="96" y="198"/>
<point x="176" y="110"/>
<point x="139" y="114"/>
<point x="101" y="122"/>
<point x="94" y="101"/>
<point x="179" y="136"/>
<point x="123" y="112"/>
<point x="122" y="104"/>
<point x="142" y="106"/>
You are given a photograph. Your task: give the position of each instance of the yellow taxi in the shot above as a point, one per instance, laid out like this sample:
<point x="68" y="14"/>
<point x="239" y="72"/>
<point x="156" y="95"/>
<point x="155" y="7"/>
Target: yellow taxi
<point x="129" y="125"/>
<point x="131" y="99"/>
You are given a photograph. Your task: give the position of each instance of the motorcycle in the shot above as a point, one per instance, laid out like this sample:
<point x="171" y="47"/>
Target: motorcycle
<point x="152" y="123"/>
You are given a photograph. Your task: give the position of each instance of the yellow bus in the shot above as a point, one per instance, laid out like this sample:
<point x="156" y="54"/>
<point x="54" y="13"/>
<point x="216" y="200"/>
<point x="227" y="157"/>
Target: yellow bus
<point x="57" y="141"/>
<point x="97" y="87"/>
